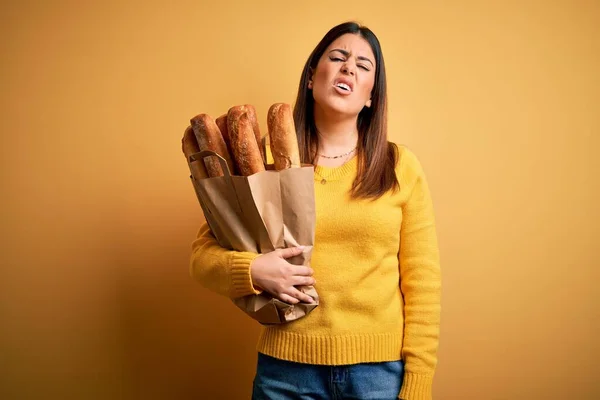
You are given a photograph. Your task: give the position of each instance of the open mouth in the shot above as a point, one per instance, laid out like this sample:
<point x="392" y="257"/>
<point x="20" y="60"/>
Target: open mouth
<point x="343" y="86"/>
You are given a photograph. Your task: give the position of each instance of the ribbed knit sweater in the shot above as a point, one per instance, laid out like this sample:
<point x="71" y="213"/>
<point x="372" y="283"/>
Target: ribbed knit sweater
<point x="377" y="270"/>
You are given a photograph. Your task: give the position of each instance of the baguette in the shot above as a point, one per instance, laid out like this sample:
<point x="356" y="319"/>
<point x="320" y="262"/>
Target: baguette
<point x="245" y="149"/>
<point x="222" y="124"/>
<point x="189" y="146"/>
<point x="282" y="135"/>
<point x="255" y="127"/>
<point x="209" y="137"/>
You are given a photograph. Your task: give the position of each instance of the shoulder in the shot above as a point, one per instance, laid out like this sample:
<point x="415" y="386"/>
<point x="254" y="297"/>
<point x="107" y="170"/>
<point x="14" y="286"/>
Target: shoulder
<point x="407" y="163"/>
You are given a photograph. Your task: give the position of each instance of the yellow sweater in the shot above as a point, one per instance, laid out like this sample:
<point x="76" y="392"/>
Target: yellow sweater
<point x="378" y="277"/>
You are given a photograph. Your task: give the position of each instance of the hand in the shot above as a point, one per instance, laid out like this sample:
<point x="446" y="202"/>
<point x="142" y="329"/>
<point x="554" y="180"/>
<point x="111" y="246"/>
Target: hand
<point x="272" y="273"/>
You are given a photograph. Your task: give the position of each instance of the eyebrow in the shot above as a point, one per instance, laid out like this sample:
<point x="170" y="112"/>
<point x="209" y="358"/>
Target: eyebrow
<point x="345" y="53"/>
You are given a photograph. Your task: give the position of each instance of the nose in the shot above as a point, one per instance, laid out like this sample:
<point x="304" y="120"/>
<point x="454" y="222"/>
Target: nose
<point x="348" y="69"/>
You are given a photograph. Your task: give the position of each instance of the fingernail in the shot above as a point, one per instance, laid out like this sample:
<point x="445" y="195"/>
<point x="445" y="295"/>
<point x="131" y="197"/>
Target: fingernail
<point x="301" y="247"/>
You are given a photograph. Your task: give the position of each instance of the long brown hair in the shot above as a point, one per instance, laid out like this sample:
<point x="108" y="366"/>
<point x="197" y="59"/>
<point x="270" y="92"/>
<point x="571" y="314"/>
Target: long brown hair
<point x="377" y="157"/>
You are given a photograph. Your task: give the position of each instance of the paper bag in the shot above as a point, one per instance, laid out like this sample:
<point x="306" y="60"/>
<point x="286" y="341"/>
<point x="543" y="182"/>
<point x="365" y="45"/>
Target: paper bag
<point x="260" y="213"/>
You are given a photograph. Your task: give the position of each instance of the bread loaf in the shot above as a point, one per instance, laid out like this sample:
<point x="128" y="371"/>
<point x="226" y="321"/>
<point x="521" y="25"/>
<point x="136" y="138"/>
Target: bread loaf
<point x="189" y="146"/>
<point x="255" y="127"/>
<point x="222" y="124"/>
<point x="245" y="149"/>
<point x="209" y="137"/>
<point x="282" y="135"/>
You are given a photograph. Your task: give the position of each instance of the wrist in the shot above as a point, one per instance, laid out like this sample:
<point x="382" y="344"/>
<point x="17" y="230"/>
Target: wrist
<point x="253" y="278"/>
<point x="241" y="280"/>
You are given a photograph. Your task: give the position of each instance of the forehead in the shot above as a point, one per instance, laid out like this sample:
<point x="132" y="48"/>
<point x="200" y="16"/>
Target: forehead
<point x="355" y="44"/>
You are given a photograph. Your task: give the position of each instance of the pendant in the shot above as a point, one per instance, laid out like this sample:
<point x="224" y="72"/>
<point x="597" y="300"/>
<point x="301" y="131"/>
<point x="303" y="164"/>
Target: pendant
<point x="323" y="181"/>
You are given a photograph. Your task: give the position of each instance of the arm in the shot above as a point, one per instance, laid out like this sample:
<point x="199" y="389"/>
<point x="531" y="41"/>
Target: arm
<point x="236" y="274"/>
<point x="420" y="282"/>
<point x="223" y="271"/>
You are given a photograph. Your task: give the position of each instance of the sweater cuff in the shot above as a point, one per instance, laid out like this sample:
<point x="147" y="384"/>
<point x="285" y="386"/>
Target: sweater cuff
<point x="241" y="280"/>
<point x="416" y="387"/>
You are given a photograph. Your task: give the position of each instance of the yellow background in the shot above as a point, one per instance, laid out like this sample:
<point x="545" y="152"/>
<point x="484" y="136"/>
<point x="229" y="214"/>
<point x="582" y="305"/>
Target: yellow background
<point x="499" y="99"/>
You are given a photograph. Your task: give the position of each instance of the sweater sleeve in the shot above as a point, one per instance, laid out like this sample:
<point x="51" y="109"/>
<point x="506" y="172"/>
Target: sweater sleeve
<point x="420" y="282"/>
<point x="223" y="271"/>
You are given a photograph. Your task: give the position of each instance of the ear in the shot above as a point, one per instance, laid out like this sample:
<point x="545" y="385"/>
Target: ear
<point x="368" y="103"/>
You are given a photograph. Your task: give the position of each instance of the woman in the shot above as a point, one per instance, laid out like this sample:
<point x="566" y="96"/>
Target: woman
<point x="375" y="262"/>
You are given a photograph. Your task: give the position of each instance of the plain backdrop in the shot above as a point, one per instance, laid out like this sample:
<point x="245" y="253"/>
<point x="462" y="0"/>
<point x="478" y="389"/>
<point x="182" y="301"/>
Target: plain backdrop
<point x="500" y="100"/>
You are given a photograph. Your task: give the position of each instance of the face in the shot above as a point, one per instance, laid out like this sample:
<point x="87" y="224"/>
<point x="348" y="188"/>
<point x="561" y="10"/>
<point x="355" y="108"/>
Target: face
<point x="345" y="75"/>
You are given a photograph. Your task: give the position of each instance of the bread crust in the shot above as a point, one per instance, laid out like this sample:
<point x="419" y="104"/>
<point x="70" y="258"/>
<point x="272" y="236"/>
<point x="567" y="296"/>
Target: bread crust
<point x="221" y="122"/>
<point x="245" y="148"/>
<point x="256" y="128"/>
<point x="189" y="146"/>
<point x="209" y="137"/>
<point x="282" y="135"/>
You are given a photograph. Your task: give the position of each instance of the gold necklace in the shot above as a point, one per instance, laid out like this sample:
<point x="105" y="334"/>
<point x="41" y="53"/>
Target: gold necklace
<point x="324" y="178"/>
<point x="341" y="155"/>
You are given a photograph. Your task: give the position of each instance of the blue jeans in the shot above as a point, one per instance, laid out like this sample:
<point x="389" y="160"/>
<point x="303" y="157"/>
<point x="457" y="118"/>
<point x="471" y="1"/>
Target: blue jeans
<point x="284" y="380"/>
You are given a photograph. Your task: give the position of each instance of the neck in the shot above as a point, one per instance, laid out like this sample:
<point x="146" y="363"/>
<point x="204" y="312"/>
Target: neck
<point x="337" y="133"/>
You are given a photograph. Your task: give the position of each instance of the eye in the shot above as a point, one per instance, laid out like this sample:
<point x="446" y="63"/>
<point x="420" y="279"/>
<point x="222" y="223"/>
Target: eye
<point x="363" y="67"/>
<point x="336" y="59"/>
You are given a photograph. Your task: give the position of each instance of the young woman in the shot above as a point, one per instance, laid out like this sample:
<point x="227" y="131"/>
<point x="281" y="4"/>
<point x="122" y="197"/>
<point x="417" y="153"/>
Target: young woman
<point x="375" y="263"/>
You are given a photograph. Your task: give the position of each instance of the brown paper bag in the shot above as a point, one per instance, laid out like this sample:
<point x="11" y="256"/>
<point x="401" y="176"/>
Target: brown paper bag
<point x="260" y="213"/>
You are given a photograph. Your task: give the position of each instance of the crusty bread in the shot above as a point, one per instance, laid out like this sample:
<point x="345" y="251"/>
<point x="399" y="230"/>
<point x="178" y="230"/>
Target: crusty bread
<point x="256" y="128"/>
<point x="282" y="135"/>
<point x="245" y="149"/>
<point x="209" y="137"/>
<point x="189" y="146"/>
<point x="222" y="124"/>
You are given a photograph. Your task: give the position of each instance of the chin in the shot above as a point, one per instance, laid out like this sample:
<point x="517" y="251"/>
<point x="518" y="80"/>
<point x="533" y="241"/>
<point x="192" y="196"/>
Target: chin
<point x="338" y="105"/>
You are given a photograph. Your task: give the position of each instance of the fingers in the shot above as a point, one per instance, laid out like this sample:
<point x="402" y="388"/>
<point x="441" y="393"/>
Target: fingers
<point x="291" y="251"/>
<point x="304" y="281"/>
<point x="288" y="299"/>
<point x="294" y="296"/>
<point x="302" y="270"/>
<point x="301" y="296"/>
